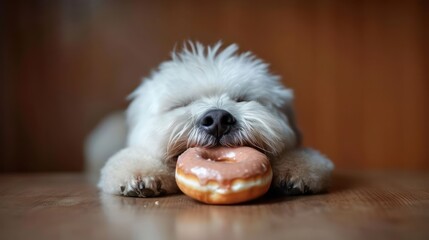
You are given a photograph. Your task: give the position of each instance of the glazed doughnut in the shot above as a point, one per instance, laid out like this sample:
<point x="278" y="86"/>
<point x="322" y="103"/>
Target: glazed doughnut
<point x="223" y="175"/>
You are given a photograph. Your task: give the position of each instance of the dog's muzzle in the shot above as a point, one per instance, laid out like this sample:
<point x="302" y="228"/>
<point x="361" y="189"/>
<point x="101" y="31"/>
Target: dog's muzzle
<point x="217" y="122"/>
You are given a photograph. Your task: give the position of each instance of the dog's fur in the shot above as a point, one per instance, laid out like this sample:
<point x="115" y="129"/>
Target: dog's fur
<point x="166" y="108"/>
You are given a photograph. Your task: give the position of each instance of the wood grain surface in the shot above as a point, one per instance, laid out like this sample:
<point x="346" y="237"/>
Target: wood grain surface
<point x="364" y="205"/>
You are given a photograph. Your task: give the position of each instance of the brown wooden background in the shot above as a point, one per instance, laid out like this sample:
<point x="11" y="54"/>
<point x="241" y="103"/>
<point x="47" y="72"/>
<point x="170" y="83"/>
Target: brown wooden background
<point x="359" y="70"/>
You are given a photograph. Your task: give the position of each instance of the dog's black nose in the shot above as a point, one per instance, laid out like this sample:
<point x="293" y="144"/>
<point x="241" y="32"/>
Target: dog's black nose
<point x="217" y="122"/>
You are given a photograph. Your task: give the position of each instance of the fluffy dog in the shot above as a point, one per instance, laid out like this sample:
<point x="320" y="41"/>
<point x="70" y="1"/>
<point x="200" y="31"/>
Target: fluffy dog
<point x="205" y="96"/>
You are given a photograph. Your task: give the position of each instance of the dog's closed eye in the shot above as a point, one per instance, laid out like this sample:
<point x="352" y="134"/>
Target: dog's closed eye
<point x="180" y="104"/>
<point x="241" y="99"/>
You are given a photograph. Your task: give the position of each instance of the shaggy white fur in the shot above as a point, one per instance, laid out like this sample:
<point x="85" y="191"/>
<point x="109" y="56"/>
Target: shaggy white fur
<point x="166" y="108"/>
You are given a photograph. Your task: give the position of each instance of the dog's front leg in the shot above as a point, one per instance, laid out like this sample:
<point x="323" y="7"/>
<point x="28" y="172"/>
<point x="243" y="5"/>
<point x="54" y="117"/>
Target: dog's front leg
<point x="131" y="172"/>
<point x="301" y="171"/>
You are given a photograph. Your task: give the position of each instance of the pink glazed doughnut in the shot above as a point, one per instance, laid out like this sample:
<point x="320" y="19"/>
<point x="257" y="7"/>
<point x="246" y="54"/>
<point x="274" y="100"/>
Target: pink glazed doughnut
<point x="223" y="175"/>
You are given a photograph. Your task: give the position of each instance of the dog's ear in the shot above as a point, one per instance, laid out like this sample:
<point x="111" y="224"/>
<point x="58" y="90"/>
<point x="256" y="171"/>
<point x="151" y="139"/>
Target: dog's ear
<point x="289" y="111"/>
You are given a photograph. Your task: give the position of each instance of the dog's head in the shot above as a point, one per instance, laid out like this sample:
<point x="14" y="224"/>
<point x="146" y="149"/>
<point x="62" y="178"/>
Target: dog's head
<point x="209" y="97"/>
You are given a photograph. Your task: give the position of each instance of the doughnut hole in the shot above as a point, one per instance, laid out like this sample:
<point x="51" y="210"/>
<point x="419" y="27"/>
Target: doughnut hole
<point x="210" y="156"/>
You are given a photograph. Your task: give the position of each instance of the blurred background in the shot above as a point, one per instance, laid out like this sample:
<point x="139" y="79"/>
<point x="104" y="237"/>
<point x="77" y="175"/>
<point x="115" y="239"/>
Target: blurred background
<point x="359" y="69"/>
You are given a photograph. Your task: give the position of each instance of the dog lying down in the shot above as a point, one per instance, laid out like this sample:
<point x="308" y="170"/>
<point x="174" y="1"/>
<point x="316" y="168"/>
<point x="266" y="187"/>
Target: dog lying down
<point x="165" y="118"/>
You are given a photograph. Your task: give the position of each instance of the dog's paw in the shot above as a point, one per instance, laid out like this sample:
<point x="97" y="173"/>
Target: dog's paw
<point x="301" y="171"/>
<point x="143" y="187"/>
<point x="290" y="187"/>
<point x="131" y="173"/>
<point x="139" y="185"/>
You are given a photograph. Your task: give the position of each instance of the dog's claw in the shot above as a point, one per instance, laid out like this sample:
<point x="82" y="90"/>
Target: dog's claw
<point x="293" y="191"/>
<point x="143" y="187"/>
<point x="147" y="192"/>
<point x="289" y="188"/>
<point x="158" y="184"/>
<point x="132" y="194"/>
<point x="307" y="190"/>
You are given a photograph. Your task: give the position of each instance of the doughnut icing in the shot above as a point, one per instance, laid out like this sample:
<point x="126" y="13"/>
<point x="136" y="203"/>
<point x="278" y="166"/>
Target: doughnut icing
<point x="223" y="175"/>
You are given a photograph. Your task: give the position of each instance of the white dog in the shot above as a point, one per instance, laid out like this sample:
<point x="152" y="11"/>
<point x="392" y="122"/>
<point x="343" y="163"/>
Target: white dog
<point x="207" y="97"/>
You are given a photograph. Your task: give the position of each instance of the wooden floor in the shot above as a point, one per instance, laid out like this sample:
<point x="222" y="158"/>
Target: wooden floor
<point x="358" y="206"/>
